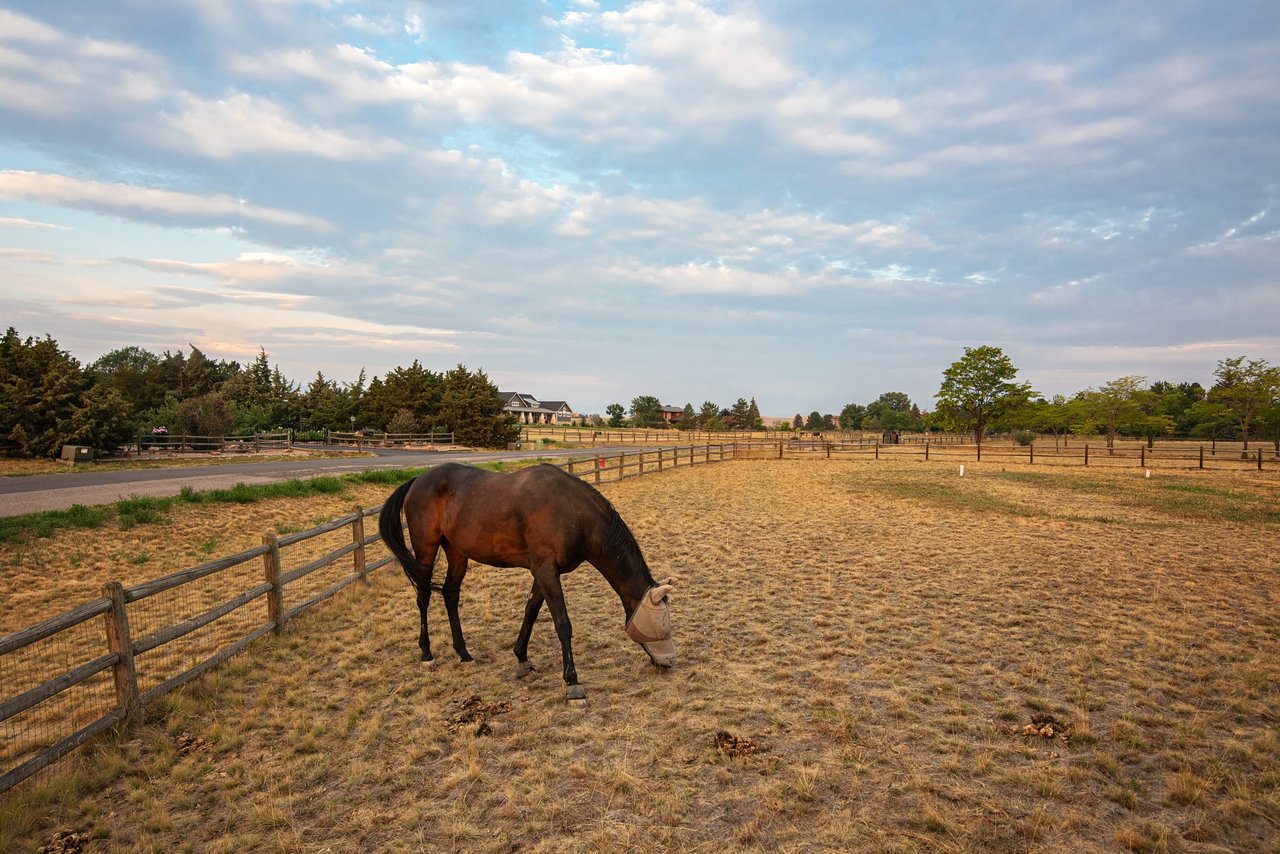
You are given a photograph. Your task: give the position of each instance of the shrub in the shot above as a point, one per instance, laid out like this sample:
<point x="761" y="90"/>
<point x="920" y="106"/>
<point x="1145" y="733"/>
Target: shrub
<point x="1024" y="437"/>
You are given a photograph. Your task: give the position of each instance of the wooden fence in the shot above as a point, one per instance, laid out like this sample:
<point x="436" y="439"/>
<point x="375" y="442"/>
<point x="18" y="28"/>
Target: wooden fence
<point x="361" y="439"/>
<point x="1183" y="456"/>
<point x="62" y="683"/>
<point x="179" y="442"/>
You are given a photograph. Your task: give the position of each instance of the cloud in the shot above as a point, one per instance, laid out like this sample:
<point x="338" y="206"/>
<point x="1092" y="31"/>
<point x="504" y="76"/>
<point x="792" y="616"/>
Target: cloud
<point x="22" y="222"/>
<point x="146" y="204"/>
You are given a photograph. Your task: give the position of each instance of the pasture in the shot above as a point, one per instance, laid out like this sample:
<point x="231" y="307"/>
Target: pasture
<point x="872" y="656"/>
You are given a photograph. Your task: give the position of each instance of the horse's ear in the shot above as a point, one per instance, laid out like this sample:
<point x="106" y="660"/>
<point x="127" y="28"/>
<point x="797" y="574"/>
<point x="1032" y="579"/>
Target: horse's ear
<point x="656" y="594"/>
<point x="667" y="582"/>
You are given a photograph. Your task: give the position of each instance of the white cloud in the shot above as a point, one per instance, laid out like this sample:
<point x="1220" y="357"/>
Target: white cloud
<point x="126" y="200"/>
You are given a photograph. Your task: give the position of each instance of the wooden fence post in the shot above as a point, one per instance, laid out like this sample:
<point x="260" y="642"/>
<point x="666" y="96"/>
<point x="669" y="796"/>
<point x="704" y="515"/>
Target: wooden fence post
<point x="926" y="450"/>
<point x="1259" y="459"/>
<point x="357" y="537"/>
<point x="1202" y="456"/>
<point x="1142" y="457"/>
<point x="271" y="568"/>
<point x="1031" y="454"/>
<point x="1086" y="454"/>
<point x="877" y="449"/>
<point x="124" y="671"/>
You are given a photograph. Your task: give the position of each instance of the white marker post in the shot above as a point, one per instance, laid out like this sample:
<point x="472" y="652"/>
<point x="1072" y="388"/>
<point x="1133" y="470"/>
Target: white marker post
<point x="962" y="470"/>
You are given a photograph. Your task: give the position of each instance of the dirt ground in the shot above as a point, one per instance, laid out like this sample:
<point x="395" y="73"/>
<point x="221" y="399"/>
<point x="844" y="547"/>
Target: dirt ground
<point x="878" y="657"/>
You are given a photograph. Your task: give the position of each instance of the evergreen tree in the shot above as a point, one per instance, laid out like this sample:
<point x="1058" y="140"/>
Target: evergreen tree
<point x="47" y="400"/>
<point x="688" y="418"/>
<point x="646" y="411"/>
<point x="754" y="421"/>
<point x="471" y="408"/>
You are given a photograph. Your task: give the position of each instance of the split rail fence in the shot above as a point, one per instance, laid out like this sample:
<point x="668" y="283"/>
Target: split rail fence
<point x="1139" y="456"/>
<point x="69" y="678"/>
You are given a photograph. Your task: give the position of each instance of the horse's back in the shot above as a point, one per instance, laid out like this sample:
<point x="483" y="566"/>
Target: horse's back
<point x="538" y="513"/>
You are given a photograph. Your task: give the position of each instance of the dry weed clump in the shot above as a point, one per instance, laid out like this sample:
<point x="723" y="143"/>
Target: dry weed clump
<point x="882" y="634"/>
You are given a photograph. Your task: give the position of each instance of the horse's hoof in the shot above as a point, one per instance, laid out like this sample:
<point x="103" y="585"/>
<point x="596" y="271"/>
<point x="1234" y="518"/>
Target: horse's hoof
<point x="576" y="695"/>
<point x="523" y="669"/>
<point x="429" y="663"/>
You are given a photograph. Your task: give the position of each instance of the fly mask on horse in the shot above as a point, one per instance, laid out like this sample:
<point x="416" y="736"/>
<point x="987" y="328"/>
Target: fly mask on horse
<point x="650" y="624"/>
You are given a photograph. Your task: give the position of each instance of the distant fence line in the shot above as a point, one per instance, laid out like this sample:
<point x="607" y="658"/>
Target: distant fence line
<point x="1138" y="455"/>
<point x="361" y="439"/>
<point x="49" y="710"/>
<point x="180" y="442"/>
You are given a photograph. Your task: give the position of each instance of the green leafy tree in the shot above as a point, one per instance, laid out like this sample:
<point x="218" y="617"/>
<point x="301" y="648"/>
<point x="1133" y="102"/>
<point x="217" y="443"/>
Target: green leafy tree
<point x="978" y="389"/>
<point x="1115" y="406"/>
<point x="646" y="411"/>
<point x="206" y="415"/>
<point x="616" y="412"/>
<point x="890" y="411"/>
<point x="797" y="423"/>
<point x="1245" y="388"/>
<point x="815" y="421"/>
<point x="134" y="373"/>
<point x="851" y="416"/>
<point x="1054" y="417"/>
<point x="688" y="418"/>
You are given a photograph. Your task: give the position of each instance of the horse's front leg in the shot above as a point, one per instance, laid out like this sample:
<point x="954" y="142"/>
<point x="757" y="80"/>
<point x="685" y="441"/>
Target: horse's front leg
<point x="521" y="649"/>
<point x="548" y="580"/>
<point x="452" y="590"/>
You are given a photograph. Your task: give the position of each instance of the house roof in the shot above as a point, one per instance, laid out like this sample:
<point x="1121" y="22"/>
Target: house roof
<point x="520" y="400"/>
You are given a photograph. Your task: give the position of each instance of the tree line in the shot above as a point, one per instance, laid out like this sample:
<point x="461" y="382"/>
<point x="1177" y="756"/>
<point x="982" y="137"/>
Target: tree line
<point x="647" y="411"/>
<point x="49" y="399"/>
<point x="980" y="394"/>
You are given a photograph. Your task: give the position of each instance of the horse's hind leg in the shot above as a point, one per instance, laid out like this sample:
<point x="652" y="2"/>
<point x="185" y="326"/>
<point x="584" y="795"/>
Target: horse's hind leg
<point x="521" y="649"/>
<point x="452" y="589"/>
<point x="422" y="582"/>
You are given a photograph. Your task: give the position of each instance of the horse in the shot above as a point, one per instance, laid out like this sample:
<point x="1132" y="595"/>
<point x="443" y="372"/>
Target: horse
<point x="540" y="518"/>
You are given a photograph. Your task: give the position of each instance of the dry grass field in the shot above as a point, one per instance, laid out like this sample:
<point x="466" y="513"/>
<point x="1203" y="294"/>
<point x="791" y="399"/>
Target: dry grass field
<point x="878" y="657"/>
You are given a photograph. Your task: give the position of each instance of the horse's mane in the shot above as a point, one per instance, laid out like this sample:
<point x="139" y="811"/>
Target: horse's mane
<point x="618" y="537"/>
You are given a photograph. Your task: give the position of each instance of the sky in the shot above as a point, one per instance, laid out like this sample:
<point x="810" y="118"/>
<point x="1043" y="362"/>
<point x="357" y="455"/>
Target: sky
<point x="808" y="202"/>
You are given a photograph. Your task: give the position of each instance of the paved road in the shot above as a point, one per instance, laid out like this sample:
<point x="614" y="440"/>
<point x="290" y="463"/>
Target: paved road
<point x="59" y="491"/>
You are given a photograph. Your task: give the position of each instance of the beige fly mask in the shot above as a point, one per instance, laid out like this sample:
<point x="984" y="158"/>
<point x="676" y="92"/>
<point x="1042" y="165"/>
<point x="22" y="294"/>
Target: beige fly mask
<point x="650" y="624"/>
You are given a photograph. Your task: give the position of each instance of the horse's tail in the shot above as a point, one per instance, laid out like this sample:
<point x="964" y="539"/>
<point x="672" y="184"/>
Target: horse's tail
<point x="393" y="531"/>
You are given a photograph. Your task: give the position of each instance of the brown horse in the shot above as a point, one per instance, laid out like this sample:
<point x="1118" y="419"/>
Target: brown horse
<point x="540" y="518"/>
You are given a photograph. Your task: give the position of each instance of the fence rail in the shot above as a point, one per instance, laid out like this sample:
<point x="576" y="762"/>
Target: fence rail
<point x="178" y="442"/>
<point x="385" y="440"/>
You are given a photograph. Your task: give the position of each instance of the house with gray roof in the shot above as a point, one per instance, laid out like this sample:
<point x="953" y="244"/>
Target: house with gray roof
<point x="530" y="410"/>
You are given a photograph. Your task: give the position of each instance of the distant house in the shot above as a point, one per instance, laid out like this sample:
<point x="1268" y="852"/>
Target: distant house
<point x="671" y="414"/>
<point x="529" y="410"/>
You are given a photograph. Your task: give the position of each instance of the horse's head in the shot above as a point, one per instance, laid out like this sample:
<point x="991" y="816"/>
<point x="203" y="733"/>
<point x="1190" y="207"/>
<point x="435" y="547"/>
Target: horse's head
<point x="650" y="624"/>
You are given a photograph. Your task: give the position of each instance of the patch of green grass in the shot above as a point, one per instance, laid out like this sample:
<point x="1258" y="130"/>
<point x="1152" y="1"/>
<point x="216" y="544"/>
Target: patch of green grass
<point x="30" y="526"/>
<point x="512" y="465"/>
<point x="141" y="510"/>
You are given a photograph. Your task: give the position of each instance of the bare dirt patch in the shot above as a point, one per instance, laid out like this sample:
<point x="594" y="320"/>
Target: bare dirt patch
<point x="883" y="633"/>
